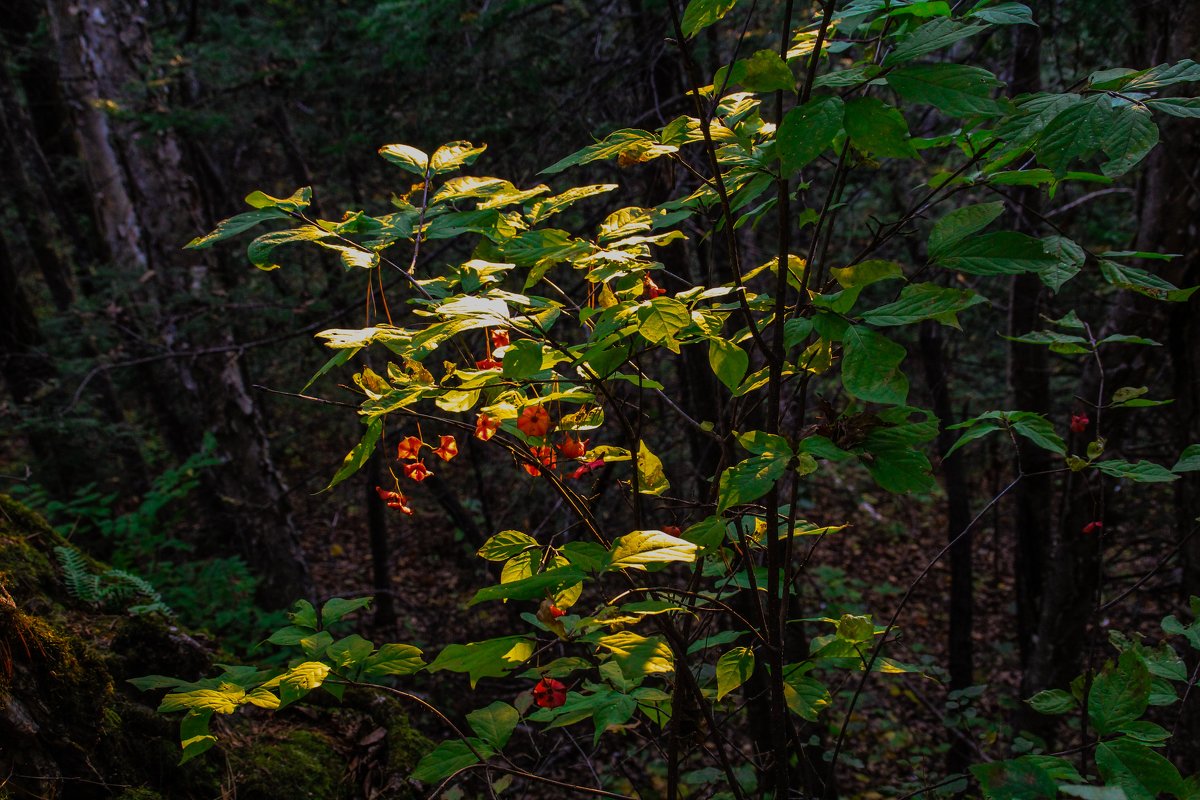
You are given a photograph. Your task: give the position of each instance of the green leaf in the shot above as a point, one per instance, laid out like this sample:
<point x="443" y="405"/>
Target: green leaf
<point x="764" y="71"/>
<point x="749" y="480"/>
<point x="1119" y="696"/>
<point x="1142" y="773"/>
<point x="1142" y="282"/>
<point x="494" y="724"/>
<point x="998" y="253"/>
<point x="448" y="758"/>
<point x="733" y="669"/>
<point x="805" y="696"/>
<point x="337" y="608"/>
<point x="1163" y="75"/>
<point x="522" y="359"/>
<point x="1052" y="701"/>
<point x="933" y="35"/>
<point x="493" y="658"/>
<point x="806" y="131"/>
<point x="409" y="158"/>
<point x="260" y="250"/>
<point x="635" y="550"/>
<point x="638" y="656"/>
<point x="1004" y="14"/>
<point x="920" y="301"/>
<point x="728" y="362"/>
<point x="506" y="544"/>
<point x="194" y="737"/>
<point x="661" y="319"/>
<point x="1141" y="472"/>
<point x="1018" y="779"/>
<point x="300" y="680"/>
<point x="871" y="367"/>
<point x="1075" y="134"/>
<point x="1189" y="460"/>
<point x="289" y="635"/>
<point x="532" y="588"/>
<point x="961" y="223"/>
<point x="1186" y="107"/>
<point x="878" y="129"/>
<point x="652" y="479"/>
<point x="357" y="457"/>
<point x="349" y="652"/>
<point x="1093" y="792"/>
<point x="1131" y="136"/>
<point x="233" y="226"/>
<point x="953" y="89"/>
<point x="639" y="144"/>
<point x="299" y="200"/>
<point x="394" y="659"/>
<point x="699" y="14"/>
<point x="1036" y="429"/>
<point x="451" y="156"/>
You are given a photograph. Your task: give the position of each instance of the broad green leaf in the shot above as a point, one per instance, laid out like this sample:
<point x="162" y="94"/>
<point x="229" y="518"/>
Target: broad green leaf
<point x="453" y="155"/>
<point x="749" y="480"/>
<point x="448" y="758"/>
<point x="194" y="737"/>
<point x="532" y="588"/>
<point x="506" y="544"/>
<point x="878" y="129"/>
<point x="895" y="463"/>
<point x="635" y="550"/>
<point x="1141" y="772"/>
<point x="997" y="253"/>
<point x="1186" y="107"/>
<point x="1130" y="137"/>
<point x="1184" y="71"/>
<point x="871" y="367"/>
<point x="1069" y="259"/>
<point x="953" y="89"/>
<point x="1052" y="701"/>
<point x="494" y="724"/>
<point x="637" y="145"/>
<point x="300" y="680"/>
<point x="1075" y="134"/>
<point x="605" y="707"/>
<point x="493" y="658"/>
<point x="866" y="273"/>
<point x="1119" y="696"/>
<point x="805" y="696"/>
<point x="394" y="659"/>
<point x="652" y="479"/>
<point x="261" y="250"/>
<point x="235" y="225"/>
<point x="733" y="669"/>
<point x="409" y="158"/>
<point x="933" y="35"/>
<point x="337" y="608"/>
<point x="1036" y="429"/>
<point x="304" y="615"/>
<point x="1189" y="459"/>
<point x="961" y="223"/>
<point x="1142" y="282"/>
<point x="661" y="319"/>
<point x="728" y="362"/>
<point x="357" y="457"/>
<point x="1004" y="14"/>
<point x="544" y="209"/>
<point x="1018" y="779"/>
<point x="299" y="200"/>
<point x="806" y="131"/>
<point x="699" y="14"/>
<point x="921" y="301"/>
<point x="223" y="700"/>
<point x="1093" y="792"/>
<point x="522" y="359"/>
<point x="764" y="71"/>
<point x="638" y="656"/>
<point x="1141" y="472"/>
<point x="350" y="651"/>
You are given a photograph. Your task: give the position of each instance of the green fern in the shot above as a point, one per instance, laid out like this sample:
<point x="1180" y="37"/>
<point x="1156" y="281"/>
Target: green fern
<point x="112" y="587"/>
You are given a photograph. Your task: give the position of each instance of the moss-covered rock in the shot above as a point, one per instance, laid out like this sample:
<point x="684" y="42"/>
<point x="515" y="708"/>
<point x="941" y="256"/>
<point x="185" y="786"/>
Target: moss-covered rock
<point x="72" y="726"/>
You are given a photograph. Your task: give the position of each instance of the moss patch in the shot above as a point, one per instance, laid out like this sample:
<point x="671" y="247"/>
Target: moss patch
<point x="304" y="765"/>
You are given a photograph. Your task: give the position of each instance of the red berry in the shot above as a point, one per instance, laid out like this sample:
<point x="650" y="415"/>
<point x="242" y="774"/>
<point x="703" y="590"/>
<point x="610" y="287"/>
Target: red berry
<point x="1093" y="527"/>
<point x="1079" y="423"/>
<point x="549" y="693"/>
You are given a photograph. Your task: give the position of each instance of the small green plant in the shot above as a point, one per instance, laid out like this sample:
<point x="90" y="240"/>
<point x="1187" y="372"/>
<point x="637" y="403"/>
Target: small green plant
<point x="112" y="587"/>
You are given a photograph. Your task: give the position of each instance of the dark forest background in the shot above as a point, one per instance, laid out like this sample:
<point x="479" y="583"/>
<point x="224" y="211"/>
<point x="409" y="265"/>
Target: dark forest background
<point x="141" y="383"/>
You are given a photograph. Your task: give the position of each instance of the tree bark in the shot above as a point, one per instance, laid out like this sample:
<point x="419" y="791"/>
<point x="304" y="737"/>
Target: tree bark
<point x="145" y="206"/>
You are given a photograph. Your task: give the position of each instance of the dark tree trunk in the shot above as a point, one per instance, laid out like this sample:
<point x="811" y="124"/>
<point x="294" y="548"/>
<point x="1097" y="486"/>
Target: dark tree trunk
<point x="145" y="206"/>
